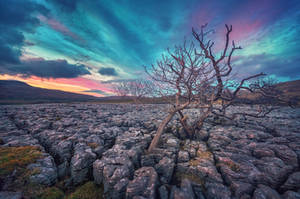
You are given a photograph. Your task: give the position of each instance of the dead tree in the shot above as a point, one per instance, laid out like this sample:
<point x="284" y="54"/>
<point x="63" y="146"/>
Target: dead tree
<point x="136" y="89"/>
<point x="121" y="89"/>
<point x="196" y="77"/>
<point x="181" y="73"/>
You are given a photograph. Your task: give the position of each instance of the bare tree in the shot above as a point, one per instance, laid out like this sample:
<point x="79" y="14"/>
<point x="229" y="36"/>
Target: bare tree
<point x="195" y="77"/>
<point x="121" y="88"/>
<point x="135" y="88"/>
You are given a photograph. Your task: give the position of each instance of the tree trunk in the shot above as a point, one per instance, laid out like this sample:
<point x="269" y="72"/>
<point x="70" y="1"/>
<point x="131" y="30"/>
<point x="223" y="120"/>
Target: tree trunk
<point x="200" y="121"/>
<point x="159" y="131"/>
<point x="186" y="127"/>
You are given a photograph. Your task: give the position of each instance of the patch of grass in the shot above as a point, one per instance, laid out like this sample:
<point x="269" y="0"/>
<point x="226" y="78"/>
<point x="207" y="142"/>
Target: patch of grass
<point x="29" y="189"/>
<point x="204" y="154"/>
<point x="87" y="191"/>
<point x="52" y="193"/>
<point x="194" y="162"/>
<point x="207" y="155"/>
<point x="31" y="172"/>
<point x="18" y="158"/>
<point x="93" y="145"/>
<point x="193" y="178"/>
<point x="62" y="184"/>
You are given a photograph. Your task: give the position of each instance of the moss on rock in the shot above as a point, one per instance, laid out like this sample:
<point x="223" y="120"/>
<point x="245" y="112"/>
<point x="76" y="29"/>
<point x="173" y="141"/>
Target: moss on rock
<point x="52" y="193"/>
<point x="18" y="158"/>
<point x="87" y="191"/>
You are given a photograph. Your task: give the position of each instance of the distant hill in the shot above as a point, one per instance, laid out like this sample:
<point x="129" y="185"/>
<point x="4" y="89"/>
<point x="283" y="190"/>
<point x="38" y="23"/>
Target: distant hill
<point x="291" y="88"/>
<point x="289" y="91"/>
<point x="15" y="92"/>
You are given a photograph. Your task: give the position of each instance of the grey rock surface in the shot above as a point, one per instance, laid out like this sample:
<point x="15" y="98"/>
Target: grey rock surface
<point x="44" y="171"/>
<point x="292" y="183"/>
<point x="165" y="168"/>
<point x="81" y="163"/>
<point x="107" y="143"/>
<point x="265" y="192"/>
<point x="10" y="195"/>
<point x="163" y="192"/>
<point x="291" y="195"/>
<point x="144" y="184"/>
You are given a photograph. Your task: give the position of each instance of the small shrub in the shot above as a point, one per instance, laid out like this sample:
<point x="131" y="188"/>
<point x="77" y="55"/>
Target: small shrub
<point x="87" y="191"/>
<point x="52" y="193"/>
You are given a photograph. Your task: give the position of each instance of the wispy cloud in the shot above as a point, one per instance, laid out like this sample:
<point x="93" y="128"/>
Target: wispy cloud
<point x="108" y="41"/>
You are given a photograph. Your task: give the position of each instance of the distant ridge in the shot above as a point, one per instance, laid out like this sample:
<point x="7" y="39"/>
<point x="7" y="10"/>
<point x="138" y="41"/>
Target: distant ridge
<point x="290" y="87"/>
<point x="290" y="90"/>
<point x="16" y="92"/>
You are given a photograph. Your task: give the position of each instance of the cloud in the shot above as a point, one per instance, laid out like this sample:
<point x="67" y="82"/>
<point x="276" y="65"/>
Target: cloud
<point x="116" y="81"/>
<point x="58" y="26"/>
<point x="128" y="35"/>
<point x="66" y="5"/>
<point x="271" y="65"/>
<point x="97" y="91"/>
<point x="46" y="69"/>
<point x="10" y="43"/>
<point x="17" y="17"/>
<point x="108" y="71"/>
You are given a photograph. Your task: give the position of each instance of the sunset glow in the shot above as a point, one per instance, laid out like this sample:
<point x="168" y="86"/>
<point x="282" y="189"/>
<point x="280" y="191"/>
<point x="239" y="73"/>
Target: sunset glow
<point x="76" y="85"/>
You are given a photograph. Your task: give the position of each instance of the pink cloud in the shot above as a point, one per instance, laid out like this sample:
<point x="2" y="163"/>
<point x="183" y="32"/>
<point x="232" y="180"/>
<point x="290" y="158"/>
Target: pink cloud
<point x="84" y="82"/>
<point x="56" y="25"/>
<point x="249" y="19"/>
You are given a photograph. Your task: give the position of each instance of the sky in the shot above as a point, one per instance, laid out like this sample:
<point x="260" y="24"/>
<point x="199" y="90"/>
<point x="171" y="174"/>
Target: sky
<point x="86" y="46"/>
